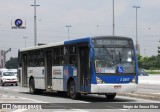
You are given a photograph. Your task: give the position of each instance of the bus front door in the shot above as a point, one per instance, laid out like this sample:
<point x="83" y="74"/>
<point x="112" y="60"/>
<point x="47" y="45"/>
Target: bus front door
<point x="24" y="69"/>
<point x="48" y="73"/>
<point x="83" y="70"/>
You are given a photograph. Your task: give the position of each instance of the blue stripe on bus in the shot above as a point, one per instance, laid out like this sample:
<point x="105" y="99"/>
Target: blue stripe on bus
<point x="116" y="79"/>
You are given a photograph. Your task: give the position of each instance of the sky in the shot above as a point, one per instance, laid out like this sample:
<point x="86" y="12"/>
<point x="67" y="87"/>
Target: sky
<point x="86" y="17"/>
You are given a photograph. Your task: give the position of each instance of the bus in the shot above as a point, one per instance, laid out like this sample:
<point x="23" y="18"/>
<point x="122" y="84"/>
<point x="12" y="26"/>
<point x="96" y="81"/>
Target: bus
<point x="104" y="65"/>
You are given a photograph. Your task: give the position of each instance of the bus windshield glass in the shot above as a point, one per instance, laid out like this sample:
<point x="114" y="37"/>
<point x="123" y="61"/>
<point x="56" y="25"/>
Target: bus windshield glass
<point x="114" y="56"/>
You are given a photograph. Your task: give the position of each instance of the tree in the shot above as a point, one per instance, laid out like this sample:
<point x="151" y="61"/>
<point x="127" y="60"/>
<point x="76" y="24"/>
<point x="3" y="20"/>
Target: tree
<point x="12" y="63"/>
<point x="158" y="49"/>
<point x="152" y="62"/>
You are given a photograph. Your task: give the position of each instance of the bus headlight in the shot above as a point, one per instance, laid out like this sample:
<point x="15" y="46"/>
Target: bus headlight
<point x="99" y="81"/>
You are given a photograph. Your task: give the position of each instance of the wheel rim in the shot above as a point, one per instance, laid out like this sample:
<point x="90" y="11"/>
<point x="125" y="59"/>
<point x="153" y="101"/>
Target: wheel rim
<point x="31" y="87"/>
<point x="72" y="90"/>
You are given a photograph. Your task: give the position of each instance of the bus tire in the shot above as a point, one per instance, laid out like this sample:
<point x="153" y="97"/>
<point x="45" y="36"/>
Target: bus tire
<point x="72" y="90"/>
<point x="32" y="89"/>
<point x="110" y="96"/>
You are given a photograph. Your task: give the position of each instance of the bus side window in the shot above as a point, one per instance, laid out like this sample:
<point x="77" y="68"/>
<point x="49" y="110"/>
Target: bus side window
<point x="72" y="59"/>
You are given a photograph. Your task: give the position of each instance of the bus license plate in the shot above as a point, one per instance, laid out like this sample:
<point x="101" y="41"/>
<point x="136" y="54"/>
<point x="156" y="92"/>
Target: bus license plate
<point x="117" y="87"/>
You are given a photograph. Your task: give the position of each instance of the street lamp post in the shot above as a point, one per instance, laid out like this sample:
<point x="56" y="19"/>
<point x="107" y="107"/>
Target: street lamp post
<point x="113" y="20"/>
<point x="35" y="23"/>
<point x="137" y="44"/>
<point x="144" y="52"/>
<point x="68" y="26"/>
<point x="25" y="38"/>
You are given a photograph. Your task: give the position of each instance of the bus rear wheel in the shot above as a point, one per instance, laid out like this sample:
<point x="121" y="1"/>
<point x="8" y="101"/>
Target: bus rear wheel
<point x="110" y="96"/>
<point x="72" y="90"/>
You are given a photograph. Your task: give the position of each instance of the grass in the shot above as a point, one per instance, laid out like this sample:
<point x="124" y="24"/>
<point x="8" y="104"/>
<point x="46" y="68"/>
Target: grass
<point x="153" y="72"/>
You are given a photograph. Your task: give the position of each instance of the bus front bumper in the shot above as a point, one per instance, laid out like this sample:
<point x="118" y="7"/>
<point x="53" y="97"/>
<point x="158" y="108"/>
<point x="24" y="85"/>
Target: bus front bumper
<point x="113" y="88"/>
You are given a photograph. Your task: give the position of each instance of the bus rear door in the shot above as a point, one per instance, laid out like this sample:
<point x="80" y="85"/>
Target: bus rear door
<point x="48" y="70"/>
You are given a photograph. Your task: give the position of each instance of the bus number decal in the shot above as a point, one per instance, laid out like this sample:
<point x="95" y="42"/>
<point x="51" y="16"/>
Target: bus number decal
<point x="124" y="79"/>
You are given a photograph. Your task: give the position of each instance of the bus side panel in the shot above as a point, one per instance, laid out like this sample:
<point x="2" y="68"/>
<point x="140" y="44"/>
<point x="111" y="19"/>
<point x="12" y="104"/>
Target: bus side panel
<point x="57" y="78"/>
<point x="70" y="72"/>
<point x="38" y="75"/>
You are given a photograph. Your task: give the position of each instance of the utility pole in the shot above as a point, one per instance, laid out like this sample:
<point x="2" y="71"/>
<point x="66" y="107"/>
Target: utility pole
<point x="25" y="38"/>
<point x="113" y="20"/>
<point x="68" y="26"/>
<point x="35" y="23"/>
<point x="137" y="44"/>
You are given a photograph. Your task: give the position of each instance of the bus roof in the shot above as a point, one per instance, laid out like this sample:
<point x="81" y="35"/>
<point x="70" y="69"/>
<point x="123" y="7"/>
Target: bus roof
<point x="86" y="39"/>
<point x="42" y="46"/>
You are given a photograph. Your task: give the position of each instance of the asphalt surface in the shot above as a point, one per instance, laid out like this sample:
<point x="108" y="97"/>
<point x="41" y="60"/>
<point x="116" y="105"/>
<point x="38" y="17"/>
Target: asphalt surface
<point x="61" y="103"/>
<point x="148" y="93"/>
<point x="148" y="88"/>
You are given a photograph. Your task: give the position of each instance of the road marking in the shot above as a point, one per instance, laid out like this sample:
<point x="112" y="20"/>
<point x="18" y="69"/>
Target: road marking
<point x="69" y="110"/>
<point x="16" y="90"/>
<point x="156" y="93"/>
<point x="19" y="110"/>
<point x="124" y="109"/>
<point x="13" y="97"/>
<point x="8" y="97"/>
<point x="37" y="101"/>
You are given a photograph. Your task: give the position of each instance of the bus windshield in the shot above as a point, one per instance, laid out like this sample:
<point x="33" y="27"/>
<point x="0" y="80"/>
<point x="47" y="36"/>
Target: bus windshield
<point x="114" y="59"/>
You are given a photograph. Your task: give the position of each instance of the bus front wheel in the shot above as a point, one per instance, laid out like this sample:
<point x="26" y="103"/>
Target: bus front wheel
<point x="72" y="90"/>
<point x="110" y="96"/>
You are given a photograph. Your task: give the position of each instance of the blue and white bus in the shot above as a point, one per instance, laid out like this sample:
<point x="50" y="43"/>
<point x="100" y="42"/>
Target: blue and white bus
<point x="104" y="65"/>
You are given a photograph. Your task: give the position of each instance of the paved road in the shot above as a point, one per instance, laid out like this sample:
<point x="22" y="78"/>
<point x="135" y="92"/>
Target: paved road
<point x="148" y="88"/>
<point x="13" y="94"/>
<point x="151" y="79"/>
